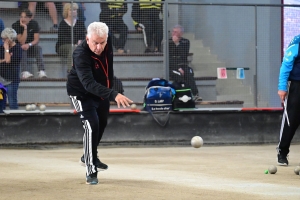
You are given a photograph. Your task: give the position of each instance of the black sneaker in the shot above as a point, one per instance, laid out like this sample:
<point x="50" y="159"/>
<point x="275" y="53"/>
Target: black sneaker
<point x="282" y="160"/>
<point x="147" y="50"/>
<point x="100" y="165"/>
<point x="92" y="179"/>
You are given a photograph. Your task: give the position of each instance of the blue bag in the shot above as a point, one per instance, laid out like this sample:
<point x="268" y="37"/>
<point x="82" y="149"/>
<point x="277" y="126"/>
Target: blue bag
<point x="158" y="97"/>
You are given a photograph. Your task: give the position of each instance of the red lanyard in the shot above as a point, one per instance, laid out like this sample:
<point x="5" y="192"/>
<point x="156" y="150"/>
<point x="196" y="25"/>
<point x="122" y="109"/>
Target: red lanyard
<point x="105" y="70"/>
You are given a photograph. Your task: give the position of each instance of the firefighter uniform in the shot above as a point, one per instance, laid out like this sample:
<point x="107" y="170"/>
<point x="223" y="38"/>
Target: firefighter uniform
<point x="149" y="14"/>
<point x="112" y="12"/>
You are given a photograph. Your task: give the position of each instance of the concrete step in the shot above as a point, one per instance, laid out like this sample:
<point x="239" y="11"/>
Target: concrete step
<point x="246" y="98"/>
<point x="147" y="65"/>
<point x="134" y="43"/>
<point x="231" y="90"/>
<point x="190" y="36"/>
<point x="201" y="51"/>
<point x="54" y="90"/>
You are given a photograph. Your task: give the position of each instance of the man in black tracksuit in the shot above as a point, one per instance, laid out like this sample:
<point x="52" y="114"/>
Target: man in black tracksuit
<point x="112" y="14"/>
<point x="89" y="87"/>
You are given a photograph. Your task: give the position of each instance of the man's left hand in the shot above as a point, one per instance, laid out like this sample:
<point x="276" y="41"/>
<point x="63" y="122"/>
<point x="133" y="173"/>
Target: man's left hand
<point x="122" y="100"/>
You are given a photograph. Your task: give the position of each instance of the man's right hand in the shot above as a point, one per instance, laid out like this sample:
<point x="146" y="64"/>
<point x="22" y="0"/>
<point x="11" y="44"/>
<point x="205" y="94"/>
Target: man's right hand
<point x="282" y="95"/>
<point x="23" y="25"/>
<point x="25" y="47"/>
<point x="122" y="100"/>
<point x="140" y="27"/>
<point x="175" y="39"/>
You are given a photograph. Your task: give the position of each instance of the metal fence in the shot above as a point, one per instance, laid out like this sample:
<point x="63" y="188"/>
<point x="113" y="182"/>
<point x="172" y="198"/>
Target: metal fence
<point x="234" y="54"/>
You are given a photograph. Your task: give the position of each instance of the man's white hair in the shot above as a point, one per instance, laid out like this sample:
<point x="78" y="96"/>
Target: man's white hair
<point x="9" y="33"/>
<point x="98" y="28"/>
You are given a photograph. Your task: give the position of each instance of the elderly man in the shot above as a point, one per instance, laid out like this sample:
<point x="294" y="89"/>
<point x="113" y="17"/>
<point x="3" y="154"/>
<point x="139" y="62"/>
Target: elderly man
<point x="179" y="70"/>
<point x="89" y="87"/>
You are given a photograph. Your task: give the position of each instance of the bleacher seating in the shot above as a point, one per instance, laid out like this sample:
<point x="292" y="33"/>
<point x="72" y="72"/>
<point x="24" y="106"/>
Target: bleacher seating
<point x="135" y="69"/>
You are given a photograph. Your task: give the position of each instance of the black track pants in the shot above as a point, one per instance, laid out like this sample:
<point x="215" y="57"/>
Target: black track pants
<point x="293" y="109"/>
<point x="93" y="115"/>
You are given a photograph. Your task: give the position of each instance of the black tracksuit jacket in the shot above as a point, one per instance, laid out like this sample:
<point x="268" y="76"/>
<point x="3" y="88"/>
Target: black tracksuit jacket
<point x="92" y="75"/>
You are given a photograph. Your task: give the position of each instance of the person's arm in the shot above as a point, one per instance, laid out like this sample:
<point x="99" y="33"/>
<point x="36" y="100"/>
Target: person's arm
<point x="135" y="14"/>
<point x="285" y="69"/>
<point x="105" y="11"/>
<point x="7" y="54"/>
<point x="123" y="10"/>
<point x="22" y="37"/>
<point x="36" y="39"/>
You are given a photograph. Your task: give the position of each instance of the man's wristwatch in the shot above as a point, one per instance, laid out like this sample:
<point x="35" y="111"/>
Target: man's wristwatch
<point x="7" y="50"/>
<point x="30" y="44"/>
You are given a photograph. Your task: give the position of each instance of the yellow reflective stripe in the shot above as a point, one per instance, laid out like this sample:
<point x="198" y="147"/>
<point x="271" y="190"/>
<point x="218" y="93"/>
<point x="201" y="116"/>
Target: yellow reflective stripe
<point x="135" y="23"/>
<point x="150" y="7"/>
<point x="115" y="3"/>
<point x="150" y="4"/>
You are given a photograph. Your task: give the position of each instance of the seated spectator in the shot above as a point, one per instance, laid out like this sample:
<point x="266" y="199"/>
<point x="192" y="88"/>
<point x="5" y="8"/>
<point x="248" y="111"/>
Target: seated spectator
<point x="28" y="37"/>
<point x="1" y="29"/>
<point x="10" y="58"/>
<point x="112" y="14"/>
<point x="179" y="70"/>
<point x="147" y="18"/>
<point x="50" y="7"/>
<point x="80" y="11"/>
<point x="64" y="45"/>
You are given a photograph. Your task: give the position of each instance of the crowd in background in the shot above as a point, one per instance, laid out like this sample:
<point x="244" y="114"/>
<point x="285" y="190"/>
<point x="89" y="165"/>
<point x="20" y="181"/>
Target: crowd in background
<point x="147" y="18"/>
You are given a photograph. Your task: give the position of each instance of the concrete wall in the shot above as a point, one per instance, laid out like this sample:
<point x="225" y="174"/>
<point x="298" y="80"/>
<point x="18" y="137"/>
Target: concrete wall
<point x="223" y="127"/>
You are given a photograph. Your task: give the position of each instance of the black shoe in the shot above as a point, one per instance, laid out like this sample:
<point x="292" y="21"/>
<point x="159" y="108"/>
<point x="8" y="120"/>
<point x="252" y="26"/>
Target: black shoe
<point x="92" y="179"/>
<point x="282" y="160"/>
<point x="100" y="165"/>
<point x="147" y="50"/>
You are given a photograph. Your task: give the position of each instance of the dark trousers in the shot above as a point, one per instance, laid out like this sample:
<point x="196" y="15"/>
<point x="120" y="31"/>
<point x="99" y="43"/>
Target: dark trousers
<point x="153" y="26"/>
<point x="93" y="114"/>
<point x="116" y="25"/>
<point x="2" y="105"/>
<point x="187" y="78"/>
<point x="293" y="109"/>
<point x="12" y="95"/>
<point x="33" y="52"/>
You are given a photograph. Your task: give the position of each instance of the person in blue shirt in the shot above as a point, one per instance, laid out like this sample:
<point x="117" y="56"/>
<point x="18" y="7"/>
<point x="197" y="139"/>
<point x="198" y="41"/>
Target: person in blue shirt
<point x="289" y="93"/>
<point x="1" y="29"/>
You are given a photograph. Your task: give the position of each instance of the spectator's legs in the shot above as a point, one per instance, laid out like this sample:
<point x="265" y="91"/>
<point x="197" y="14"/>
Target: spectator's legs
<point x="189" y="78"/>
<point x="158" y="33"/>
<point x="52" y="12"/>
<point x="121" y="28"/>
<point x="66" y="52"/>
<point x="32" y="7"/>
<point x="81" y="12"/>
<point x="24" y="65"/>
<point x="12" y="94"/>
<point x="36" y="52"/>
<point x="111" y="25"/>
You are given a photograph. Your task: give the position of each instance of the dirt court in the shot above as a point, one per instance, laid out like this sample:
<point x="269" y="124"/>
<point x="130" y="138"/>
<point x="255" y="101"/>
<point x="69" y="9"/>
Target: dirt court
<point x="210" y="172"/>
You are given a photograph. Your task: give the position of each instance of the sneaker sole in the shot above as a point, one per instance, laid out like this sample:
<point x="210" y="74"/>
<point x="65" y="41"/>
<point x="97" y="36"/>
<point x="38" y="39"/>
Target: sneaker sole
<point x="83" y="165"/>
<point x="282" y="164"/>
<point x="91" y="183"/>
